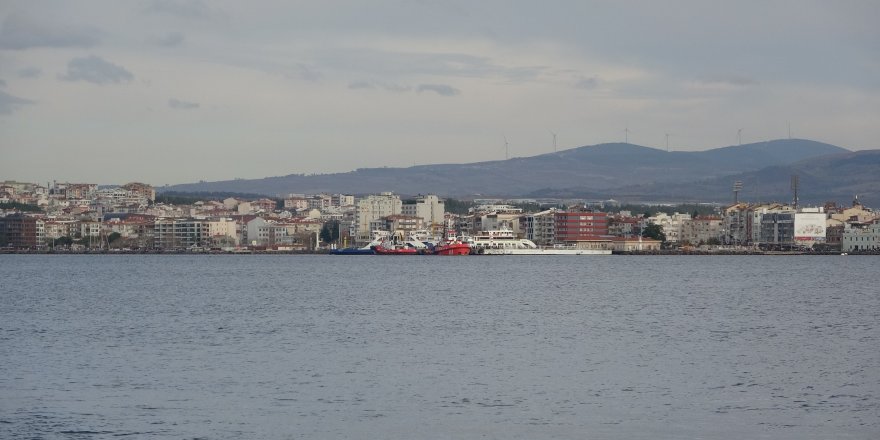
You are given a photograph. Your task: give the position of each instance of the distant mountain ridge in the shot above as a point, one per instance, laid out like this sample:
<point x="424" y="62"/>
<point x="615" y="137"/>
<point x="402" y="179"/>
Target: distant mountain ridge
<point x="599" y="170"/>
<point x="838" y="177"/>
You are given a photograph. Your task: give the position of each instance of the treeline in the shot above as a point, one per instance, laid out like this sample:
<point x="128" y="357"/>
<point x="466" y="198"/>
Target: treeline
<point x="188" y="198"/>
<point x="650" y="210"/>
<point x="21" y="207"/>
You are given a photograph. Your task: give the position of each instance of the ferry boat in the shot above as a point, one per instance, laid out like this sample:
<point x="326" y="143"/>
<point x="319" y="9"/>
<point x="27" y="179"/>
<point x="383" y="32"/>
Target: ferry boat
<point x="504" y="242"/>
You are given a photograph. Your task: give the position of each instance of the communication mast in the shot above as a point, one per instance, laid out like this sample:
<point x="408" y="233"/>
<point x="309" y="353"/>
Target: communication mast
<point x="737" y="187"/>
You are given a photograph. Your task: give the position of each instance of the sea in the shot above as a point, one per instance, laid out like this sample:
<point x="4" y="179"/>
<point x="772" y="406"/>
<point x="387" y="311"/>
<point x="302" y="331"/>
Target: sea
<point x="429" y="347"/>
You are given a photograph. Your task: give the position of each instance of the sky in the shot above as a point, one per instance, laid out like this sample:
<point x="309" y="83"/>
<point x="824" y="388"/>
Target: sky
<point x="167" y="92"/>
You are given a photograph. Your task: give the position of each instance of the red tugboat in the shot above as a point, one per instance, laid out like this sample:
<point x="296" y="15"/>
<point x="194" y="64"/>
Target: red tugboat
<point x="453" y="245"/>
<point x="453" y="248"/>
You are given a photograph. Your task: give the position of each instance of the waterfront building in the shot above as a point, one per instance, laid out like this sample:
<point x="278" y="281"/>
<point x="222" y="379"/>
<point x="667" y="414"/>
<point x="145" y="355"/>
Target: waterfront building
<point x="22" y="232"/>
<point x="809" y="227"/>
<point x="861" y="238"/>
<point x="701" y="230"/>
<point x="180" y="233"/>
<point x="580" y="226"/>
<point x="539" y="227"/>
<point x="777" y="229"/>
<point x="671" y="224"/>
<point x="735" y="225"/>
<point x="634" y="244"/>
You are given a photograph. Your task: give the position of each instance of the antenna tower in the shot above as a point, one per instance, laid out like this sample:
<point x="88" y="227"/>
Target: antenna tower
<point x="554" y="141"/>
<point x="506" y="149"/>
<point x="739" y="136"/>
<point x="737" y="187"/>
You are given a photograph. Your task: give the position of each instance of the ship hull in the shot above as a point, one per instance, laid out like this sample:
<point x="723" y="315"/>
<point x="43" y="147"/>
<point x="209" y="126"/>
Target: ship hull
<point x="548" y="251"/>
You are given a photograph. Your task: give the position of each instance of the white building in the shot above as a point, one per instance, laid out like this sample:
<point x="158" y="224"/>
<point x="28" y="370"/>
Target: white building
<point x="539" y="227"/>
<point x="865" y="238"/>
<point x="374" y="207"/>
<point x="223" y="231"/>
<point x="429" y="208"/>
<point x="261" y="232"/>
<point x="671" y="224"/>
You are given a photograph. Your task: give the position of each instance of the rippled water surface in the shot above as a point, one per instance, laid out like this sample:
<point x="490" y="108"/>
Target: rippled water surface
<point x="278" y="347"/>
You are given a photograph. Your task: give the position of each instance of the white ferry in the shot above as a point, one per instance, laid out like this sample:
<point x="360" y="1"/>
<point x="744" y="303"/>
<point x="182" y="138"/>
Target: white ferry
<point x="503" y="242"/>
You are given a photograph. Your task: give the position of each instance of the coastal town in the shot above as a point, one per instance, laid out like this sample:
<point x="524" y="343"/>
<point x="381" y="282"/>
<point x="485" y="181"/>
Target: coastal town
<point x="85" y="217"/>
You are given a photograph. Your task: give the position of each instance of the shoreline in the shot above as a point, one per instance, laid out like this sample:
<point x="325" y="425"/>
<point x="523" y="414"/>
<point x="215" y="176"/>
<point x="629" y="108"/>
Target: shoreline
<point x="325" y="252"/>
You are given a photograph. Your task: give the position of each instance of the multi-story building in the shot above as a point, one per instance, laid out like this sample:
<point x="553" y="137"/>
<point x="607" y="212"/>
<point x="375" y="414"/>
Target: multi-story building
<point x="296" y="203"/>
<point x="701" y="230"/>
<point x="671" y="224"/>
<point x="575" y="226"/>
<point x="141" y="190"/>
<point x="343" y="200"/>
<point x="222" y="231"/>
<point x="735" y="221"/>
<point x="402" y="225"/>
<point x="861" y="238"/>
<point x="539" y="227"/>
<point x="74" y="190"/>
<point x="777" y="229"/>
<point x="22" y="232"/>
<point x="429" y="207"/>
<point x="374" y="207"/>
<point x="262" y="232"/>
<point x="180" y="233"/>
<point x="624" y="225"/>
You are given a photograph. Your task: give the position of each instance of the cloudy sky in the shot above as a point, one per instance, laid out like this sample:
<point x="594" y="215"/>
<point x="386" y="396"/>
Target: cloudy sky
<point x="169" y="92"/>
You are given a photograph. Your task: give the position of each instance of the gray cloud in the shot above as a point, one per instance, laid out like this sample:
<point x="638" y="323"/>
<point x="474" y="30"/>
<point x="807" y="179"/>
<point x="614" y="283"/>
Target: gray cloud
<point x="307" y="73"/>
<point x="587" y="83"/>
<point x="96" y="70"/>
<point x="375" y="85"/>
<point x="20" y="32"/>
<point x="732" y="80"/>
<point x="441" y="89"/>
<point x="171" y="39"/>
<point x="381" y="63"/>
<point x="9" y="103"/>
<point x="2" y="83"/>
<point x="182" y="105"/>
<point x="189" y="9"/>
<point x="361" y="85"/>
<point x="29" y="72"/>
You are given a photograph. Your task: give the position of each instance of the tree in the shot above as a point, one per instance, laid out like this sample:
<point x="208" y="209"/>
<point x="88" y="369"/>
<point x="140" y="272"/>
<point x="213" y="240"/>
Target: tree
<point x="330" y="231"/>
<point x="113" y="237"/>
<point x="62" y="241"/>
<point x="654" y="231"/>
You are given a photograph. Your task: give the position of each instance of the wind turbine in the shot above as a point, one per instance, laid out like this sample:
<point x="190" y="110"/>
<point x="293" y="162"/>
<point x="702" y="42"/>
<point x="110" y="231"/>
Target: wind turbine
<point x="626" y="134"/>
<point x="554" y="140"/>
<point x="506" y="149"/>
<point x="739" y="136"/>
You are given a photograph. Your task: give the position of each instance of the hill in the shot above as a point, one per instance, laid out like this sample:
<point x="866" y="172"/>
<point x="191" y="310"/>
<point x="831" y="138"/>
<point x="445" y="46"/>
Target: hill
<point x="837" y="177"/>
<point x="597" y="169"/>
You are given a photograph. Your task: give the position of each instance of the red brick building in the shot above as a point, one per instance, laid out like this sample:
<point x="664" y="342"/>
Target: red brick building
<point x="20" y="231"/>
<point x="580" y="226"/>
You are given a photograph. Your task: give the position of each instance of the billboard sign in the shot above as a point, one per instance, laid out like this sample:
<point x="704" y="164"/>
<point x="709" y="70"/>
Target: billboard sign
<point x="809" y="226"/>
